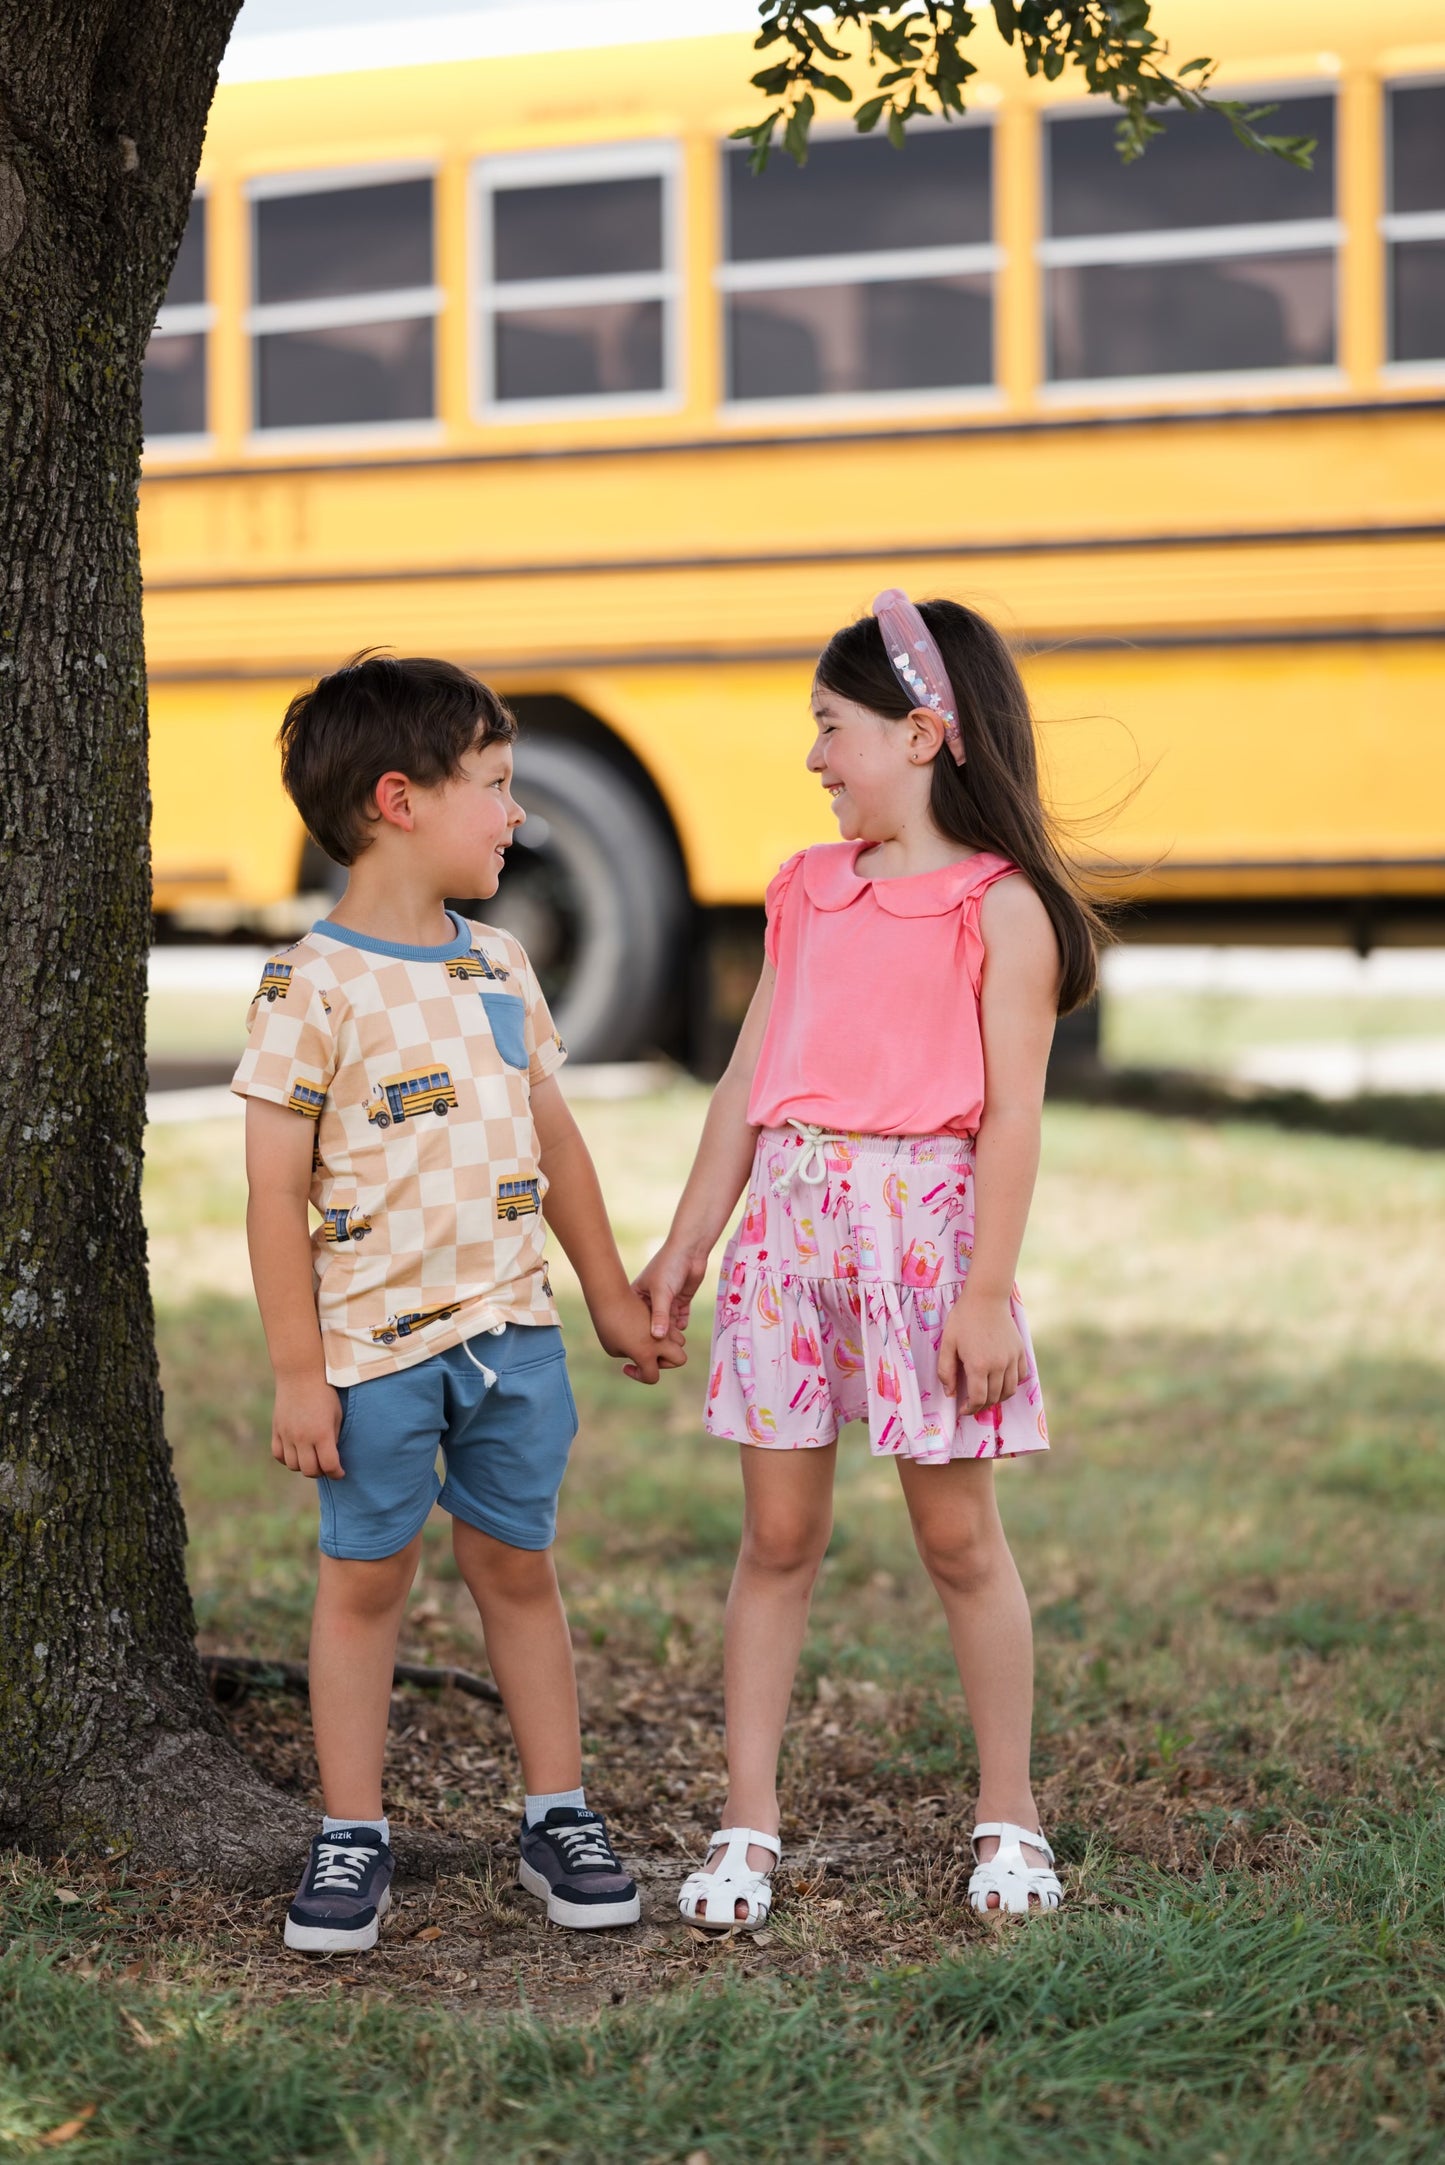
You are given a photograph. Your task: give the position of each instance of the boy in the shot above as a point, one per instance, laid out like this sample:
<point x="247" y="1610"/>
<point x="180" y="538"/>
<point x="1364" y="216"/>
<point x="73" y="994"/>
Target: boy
<point x="400" y="1075"/>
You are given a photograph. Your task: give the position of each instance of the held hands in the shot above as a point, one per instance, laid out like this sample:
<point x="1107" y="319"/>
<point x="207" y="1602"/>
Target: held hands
<point x="981" y="1358"/>
<point x="305" y="1424"/>
<point x="624" y="1329"/>
<point x="667" y="1285"/>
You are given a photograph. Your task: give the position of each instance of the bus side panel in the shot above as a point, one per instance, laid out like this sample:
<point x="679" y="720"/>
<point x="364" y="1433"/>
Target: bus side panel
<point x="223" y="829"/>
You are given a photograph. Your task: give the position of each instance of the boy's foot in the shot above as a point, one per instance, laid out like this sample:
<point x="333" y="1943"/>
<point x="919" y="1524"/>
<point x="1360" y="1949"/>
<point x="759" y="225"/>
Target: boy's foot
<point x="570" y="1863"/>
<point x="344" y="1893"/>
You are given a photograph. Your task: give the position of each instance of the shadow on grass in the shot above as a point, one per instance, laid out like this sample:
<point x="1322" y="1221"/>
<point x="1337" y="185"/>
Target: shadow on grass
<point x="1415" y="1121"/>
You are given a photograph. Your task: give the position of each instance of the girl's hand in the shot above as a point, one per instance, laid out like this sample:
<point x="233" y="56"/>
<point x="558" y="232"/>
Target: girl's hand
<point x="981" y="1357"/>
<point x="622" y="1330"/>
<point x="668" y="1284"/>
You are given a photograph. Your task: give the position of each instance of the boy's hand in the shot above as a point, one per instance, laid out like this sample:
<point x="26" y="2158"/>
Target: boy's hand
<point x="981" y="1357"/>
<point x="623" y="1330"/>
<point x="304" y="1427"/>
<point x="667" y="1285"/>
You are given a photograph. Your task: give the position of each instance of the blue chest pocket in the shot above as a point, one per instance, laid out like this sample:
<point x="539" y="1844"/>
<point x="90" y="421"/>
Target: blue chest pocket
<point x="507" y="1016"/>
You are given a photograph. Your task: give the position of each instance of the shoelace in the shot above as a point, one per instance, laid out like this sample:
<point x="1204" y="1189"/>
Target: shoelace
<point x="584" y="1846"/>
<point x="339" y="1865"/>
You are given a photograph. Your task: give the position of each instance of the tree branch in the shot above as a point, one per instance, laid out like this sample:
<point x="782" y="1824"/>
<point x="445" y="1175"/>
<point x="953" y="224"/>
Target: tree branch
<point x="915" y="52"/>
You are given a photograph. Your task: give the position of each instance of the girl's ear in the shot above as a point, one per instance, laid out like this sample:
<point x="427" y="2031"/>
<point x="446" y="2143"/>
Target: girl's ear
<point x="393" y="795"/>
<point x="925" y="735"/>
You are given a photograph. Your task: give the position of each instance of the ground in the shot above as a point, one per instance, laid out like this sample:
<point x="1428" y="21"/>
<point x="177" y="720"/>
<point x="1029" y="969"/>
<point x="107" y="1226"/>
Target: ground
<point x="1233" y="1555"/>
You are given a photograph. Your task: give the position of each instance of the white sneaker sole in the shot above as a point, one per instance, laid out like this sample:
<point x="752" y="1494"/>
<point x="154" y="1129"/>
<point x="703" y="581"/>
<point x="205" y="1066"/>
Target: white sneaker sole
<point x="327" y="1939"/>
<point x="580" y="1916"/>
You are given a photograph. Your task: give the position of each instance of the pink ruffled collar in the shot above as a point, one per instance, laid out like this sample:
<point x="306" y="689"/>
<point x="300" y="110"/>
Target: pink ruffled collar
<point x="832" y="881"/>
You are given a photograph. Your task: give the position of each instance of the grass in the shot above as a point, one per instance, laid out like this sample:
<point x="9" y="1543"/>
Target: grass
<point x="1233" y="1559"/>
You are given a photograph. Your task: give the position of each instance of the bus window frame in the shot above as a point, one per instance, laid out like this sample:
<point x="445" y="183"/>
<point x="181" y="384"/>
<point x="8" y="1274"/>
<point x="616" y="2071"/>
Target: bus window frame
<point x="646" y="157"/>
<point x="1397" y="226"/>
<point x="189" y="319"/>
<point x="1200" y="244"/>
<point x="420" y="302"/>
<point x="966" y="260"/>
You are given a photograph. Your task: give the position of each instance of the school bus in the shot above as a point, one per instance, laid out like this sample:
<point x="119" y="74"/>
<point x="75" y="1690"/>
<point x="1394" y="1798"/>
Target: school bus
<point x="509" y="358"/>
<point x="405" y="1097"/>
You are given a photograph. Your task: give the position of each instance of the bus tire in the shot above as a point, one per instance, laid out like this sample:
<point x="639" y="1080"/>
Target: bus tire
<point x="599" y="901"/>
<point x="440" y="1109"/>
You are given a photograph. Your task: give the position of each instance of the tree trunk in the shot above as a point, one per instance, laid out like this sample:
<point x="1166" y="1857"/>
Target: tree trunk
<point x="108" y="1740"/>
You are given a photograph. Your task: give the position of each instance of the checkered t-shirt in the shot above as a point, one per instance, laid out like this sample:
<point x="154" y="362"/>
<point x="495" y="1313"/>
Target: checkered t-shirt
<point x="416" y="1065"/>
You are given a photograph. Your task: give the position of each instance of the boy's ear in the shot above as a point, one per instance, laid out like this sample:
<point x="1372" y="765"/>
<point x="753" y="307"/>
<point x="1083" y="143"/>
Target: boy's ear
<point x="393" y="796"/>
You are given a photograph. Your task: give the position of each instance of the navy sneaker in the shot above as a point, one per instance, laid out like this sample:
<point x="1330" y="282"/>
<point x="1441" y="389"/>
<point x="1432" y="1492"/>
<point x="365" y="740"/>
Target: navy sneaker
<point x="569" y="1862"/>
<point x="344" y="1893"/>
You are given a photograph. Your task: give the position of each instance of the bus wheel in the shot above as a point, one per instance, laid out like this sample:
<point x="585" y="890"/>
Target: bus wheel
<point x="440" y="1108"/>
<point x="594" y="892"/>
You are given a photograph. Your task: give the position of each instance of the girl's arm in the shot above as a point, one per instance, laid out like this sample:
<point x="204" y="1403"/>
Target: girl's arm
<point x="1019" y="1001"/>
<point x="719" y="1174"/>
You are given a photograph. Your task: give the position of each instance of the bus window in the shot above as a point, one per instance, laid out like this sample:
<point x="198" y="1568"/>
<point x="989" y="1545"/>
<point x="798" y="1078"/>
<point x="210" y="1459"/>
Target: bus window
<point x="578" y="277"/>
<point x="1415" y="222"/>
<point x="173" y="390"/>
<point x="867" y="270"/>
<point x="1202" y="261"/>
<point x="343" y="301"/>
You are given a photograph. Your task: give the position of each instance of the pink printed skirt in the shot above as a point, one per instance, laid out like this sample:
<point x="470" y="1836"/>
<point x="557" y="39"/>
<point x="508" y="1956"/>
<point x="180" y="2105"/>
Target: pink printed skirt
<point x="833" y="1298"/>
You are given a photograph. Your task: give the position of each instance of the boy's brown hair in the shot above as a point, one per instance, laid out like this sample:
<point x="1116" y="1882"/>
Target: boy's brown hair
<point x="378" y="714"/>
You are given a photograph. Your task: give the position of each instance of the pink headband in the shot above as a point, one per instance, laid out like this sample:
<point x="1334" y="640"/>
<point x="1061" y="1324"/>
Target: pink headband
<point x="917" y="663"/>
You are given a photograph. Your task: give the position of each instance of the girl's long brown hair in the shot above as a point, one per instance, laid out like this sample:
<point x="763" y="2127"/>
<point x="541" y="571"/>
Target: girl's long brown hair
<point x="992" y="801"/>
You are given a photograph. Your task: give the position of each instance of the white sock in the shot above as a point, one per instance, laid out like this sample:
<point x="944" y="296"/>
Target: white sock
<point x="535" y="1809"/>
<point x="339" y="1826"/>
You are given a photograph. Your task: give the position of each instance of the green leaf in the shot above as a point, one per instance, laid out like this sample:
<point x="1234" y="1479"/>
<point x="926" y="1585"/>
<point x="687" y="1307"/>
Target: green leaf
<point x="868" y="114"/>
<point x="833" y="84"/>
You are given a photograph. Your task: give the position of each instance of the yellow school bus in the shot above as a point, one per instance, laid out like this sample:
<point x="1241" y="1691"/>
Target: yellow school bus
<point x="510" y="359"/>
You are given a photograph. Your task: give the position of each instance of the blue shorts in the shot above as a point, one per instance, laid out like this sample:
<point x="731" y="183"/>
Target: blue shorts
<point x="505" y="1446"/>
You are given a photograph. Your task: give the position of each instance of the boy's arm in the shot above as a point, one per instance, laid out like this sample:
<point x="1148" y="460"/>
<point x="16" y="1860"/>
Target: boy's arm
<point x="719" y="1174"/>
<point x="307" y="1416"/>
<point x="982" y="1353"/>
<point x="577" y="1215"/>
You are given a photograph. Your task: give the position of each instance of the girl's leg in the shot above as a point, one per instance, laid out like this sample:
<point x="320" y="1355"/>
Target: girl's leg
<point x="787" y="1519"/>
<point x="961" y="1540"/>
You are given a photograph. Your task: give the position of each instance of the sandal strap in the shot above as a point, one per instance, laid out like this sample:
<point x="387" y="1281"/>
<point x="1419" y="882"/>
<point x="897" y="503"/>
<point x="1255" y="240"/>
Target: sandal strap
<point x="750" y="1837"/>
<point x="1010" y="1835"/>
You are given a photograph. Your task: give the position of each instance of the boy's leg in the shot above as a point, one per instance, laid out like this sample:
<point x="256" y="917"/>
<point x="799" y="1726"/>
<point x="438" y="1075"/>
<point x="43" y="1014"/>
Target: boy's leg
<point x="965" y="1552"/>
<point x="787" y="1519"/>
<point x="354" y="1632"/>
<point x="530" y="1649"/>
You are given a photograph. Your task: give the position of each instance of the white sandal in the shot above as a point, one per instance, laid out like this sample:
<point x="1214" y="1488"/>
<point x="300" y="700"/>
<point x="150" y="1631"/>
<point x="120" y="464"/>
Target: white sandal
<point x="734" y="1881"/>
<point x="1008" y="1875"/>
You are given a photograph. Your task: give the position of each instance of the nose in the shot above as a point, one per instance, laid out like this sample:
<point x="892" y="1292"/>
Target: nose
<point x="815" y="757"/>
<point x="516" y="817"/>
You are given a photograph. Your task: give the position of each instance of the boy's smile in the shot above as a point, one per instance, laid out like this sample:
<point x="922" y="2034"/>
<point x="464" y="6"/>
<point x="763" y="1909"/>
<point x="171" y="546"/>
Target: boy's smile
<point x="470" y="822"/>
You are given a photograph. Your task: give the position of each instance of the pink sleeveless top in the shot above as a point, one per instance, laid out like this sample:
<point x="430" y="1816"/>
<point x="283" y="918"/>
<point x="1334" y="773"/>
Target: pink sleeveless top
<point x="874" y="1026"/>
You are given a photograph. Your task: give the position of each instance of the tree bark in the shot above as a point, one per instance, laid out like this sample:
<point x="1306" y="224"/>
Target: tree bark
<point x="108" y="1740"/>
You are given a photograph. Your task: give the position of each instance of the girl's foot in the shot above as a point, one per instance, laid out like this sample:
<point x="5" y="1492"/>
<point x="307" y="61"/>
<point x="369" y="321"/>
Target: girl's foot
<point x="739" y="1860"/>
<point x="1013" y="1870"/>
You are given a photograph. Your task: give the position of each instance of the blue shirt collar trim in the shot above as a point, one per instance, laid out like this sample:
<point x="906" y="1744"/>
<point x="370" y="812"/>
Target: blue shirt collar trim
<point x="395" y="950"/>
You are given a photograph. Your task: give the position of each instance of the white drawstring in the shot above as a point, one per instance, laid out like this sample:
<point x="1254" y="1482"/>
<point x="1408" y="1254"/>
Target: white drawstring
<point x="488" y="1375"/>
<point x="812" y="1167"/>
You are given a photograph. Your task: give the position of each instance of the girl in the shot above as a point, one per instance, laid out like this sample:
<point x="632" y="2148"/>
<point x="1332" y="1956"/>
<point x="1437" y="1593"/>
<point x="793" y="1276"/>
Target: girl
<point x="882" y="1109"/>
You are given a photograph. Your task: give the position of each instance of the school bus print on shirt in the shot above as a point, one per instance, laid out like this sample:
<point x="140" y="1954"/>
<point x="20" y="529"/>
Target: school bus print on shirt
<point x="306" y="1098"/>
<point x="403" y="1097"/>
<point x="387" y="1333"/>
<point x="476" y="965"/>
<point x="518" y="1199"/>
<point x="342" y="1225"/>
<point x="275" y="981"/>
